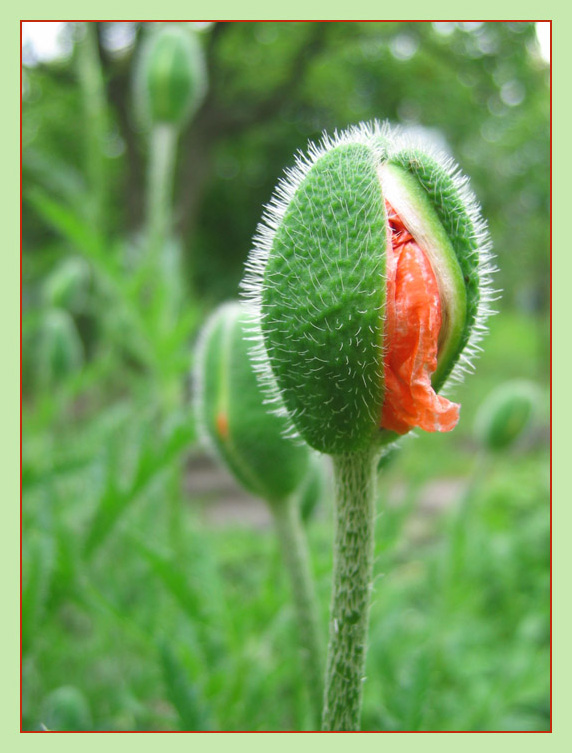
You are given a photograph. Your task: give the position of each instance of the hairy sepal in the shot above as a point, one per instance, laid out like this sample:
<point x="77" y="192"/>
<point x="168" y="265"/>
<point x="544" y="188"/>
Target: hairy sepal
<point x="323" y="298"/>
<point x="307" y="384"/>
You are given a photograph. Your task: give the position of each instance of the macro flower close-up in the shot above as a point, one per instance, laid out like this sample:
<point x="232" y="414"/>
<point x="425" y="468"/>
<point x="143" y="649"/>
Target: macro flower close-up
<point x="369" y="286"/>
<point x="286" y="373"/>
<point x="370" y="282"/>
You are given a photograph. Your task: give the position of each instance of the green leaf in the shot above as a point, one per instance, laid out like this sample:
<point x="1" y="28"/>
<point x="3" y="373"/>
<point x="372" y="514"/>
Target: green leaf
<point x="69" y="225"/>
<point x="182" y="693"/>
<point x="132" y="335"/>
<point x="157" y="454"/>
<point x="37" y="578"/>
<point x="194" y="584"/>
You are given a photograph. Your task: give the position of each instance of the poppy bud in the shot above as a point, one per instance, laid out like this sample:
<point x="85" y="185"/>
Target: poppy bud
<point x="232" y="417"/>
<point x="506" y="414"/>
<point x="172" y="76"/>
<point x="369" y="287"/>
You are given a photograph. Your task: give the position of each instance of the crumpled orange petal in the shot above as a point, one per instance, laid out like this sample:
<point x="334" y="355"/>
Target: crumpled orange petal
<point x="413" y="321"/>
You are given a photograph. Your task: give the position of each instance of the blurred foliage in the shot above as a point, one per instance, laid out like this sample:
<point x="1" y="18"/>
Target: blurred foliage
<point x="137" y="612"/>
<point x="480" y="89"/>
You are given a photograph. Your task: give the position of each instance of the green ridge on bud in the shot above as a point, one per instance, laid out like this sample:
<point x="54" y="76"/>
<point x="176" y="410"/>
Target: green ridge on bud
<point x="316" y="279"/>
<point x="232" y="416"/>
<point x="412" y="203"/>
<point x="461" y="223"/>
<point x="171" y="76"/>
<point x="506" y="414"/>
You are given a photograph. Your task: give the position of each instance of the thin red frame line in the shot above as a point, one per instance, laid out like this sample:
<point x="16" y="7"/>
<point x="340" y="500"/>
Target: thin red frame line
<point x="223" y="732"/>
<point x="21" y="376"/>
<point x="288" y="20"/>
<point x="288" y="732"/>
<point x="551" y="706"/>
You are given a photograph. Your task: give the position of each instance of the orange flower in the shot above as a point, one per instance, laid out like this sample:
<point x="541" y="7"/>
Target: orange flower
<point x="413" y="322"/>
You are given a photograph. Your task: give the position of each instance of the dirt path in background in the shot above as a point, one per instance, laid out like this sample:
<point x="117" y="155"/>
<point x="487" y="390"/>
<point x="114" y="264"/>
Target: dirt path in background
<point x="224" y="503"/>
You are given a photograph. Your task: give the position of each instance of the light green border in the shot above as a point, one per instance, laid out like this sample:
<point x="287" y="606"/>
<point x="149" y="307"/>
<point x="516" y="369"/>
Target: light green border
<point x="9" y="374"/>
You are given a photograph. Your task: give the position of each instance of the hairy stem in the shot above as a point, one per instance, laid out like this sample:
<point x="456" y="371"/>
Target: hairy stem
<point x="295" y="552"/>
<point x="354" y="475"/>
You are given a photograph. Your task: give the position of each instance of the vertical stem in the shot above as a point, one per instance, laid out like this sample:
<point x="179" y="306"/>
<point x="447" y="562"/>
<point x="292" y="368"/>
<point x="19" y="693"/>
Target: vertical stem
<point x="95" y="124"/>
<point x="160" y="179"/>
<point x="162" y="155"/>
<point x="354" y="476"/>
<point x="295" y="551"/>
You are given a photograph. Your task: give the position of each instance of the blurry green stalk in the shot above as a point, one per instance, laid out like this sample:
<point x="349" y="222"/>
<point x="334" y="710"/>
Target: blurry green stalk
<point x="294" y="547"/>
<point x="160" y="181"/>
<point x="95" y="125"/>
<point x="162" y="159"/>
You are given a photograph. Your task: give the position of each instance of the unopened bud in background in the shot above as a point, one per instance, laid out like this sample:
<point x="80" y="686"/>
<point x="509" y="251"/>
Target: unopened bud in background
<point x="507" y="414"/>
<point x="171" y="75"/>
<point x="232" y="416"/>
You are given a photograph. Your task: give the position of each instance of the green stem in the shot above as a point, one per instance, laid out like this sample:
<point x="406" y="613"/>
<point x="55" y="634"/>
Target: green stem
<point x="95" y="124"/>
<point x="162" y="156"/>
<point x="295" y="551"/>
<point x="160" y="181"/>
<point x="160" y="269"/>
<point x="355" y="477"/>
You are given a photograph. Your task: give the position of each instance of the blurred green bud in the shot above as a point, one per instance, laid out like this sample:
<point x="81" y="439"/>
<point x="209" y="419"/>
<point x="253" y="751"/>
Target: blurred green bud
<point x="60" y="350"/>
<point x="66" y="710"/>
<point x="171" y="76"/>
<point x="66" y="286"/>
<point x="232" y="416"/>
<point x="506" y="414"/>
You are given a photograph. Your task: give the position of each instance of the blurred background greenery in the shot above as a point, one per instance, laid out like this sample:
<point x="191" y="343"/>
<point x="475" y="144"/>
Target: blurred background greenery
<point x="153" y="591"/>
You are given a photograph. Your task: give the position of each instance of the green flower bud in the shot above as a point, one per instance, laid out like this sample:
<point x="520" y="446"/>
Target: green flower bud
<point x="369" y="285"/>
<point x="60" y="350"/>
<point x="232" y="416"/>
<point x="66" y="710"/>
<point x="172" y="75"/>
<point x="506" y="414"/>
